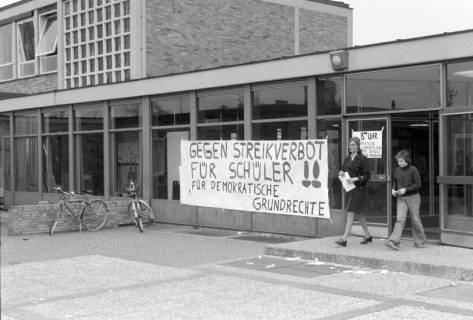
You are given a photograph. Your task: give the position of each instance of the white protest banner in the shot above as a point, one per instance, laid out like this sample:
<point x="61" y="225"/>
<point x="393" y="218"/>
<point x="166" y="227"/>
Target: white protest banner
<point x="283" y="177"/>
<point x="371" y="142"/>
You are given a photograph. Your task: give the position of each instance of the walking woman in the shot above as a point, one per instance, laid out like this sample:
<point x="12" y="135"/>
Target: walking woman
<point x="406" y="185"/>
<point x="357" y="167"/>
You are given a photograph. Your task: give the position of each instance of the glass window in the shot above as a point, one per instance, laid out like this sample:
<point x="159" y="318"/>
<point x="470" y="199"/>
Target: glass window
<point x="126" y="161"/>
<point x="459" y="206"/>
<point x="221" y="132"/>
<point x="4" y="153"/>
<point x="332" y="130"/>
<point x="460" y="84"/>
<point x="25" y="123"/>
<point x="329" y="95"/>
<point x="26" y="164"/>
<point x="55" y="162"/>
<point x="55" y="120"/>
<point x="286" y="130"/>
<point x="279" y="102"/>
<point x="396" y="89"/>
<point x="88" y="117"/>
<point x="459" y="150"/>
<point x="220" y="107"/>
<point x="6" y="56"/>
<point x="47" y="44"/>
<point x="168" y="111"/>
<point x="89" y="163"/>
<point x="166" y="160"/>
<point x="26" y="48"/>
<point x="125" y="114"/>
<point x="48" y="34"/>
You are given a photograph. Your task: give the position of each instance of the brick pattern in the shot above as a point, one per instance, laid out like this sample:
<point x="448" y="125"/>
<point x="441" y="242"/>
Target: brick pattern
<point x="30" y="219"/>
<point x="321" y="31"/>
<point x="39" y="84"/>
<point x="186" y="35"/>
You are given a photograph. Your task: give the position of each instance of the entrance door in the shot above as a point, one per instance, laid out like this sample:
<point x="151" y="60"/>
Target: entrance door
<point x="417" y="132"/>
<point x="378" y="214"/>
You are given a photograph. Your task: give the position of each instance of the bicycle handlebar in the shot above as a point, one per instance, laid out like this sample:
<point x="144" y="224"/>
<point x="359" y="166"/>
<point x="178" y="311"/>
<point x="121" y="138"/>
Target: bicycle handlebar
<point x="59" y="190"/>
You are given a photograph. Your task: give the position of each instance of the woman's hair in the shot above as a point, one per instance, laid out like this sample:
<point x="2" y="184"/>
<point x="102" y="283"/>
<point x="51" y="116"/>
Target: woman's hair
<point x="357" y="141"/>
<point x="405" y="155"/>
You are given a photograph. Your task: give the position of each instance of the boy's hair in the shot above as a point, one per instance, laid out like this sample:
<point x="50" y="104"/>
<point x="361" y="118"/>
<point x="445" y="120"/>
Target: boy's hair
<point x="405" y="155"/>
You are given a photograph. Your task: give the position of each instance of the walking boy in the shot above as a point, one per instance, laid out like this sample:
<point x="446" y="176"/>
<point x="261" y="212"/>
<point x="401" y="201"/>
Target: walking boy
<point x="406" y="185"/>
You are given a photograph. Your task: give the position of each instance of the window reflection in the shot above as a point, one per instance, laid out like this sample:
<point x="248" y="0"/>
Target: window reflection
<point x="220" y="132"/>
<point x="460" y="149"/>
<point x="89" y="163"/>
<point x="332" y="130"/>
<point x="279" y="102"/>
<point x="55" y="151"/>
<point x="126" y="161"/>
<point x="286" y="130"/>
<point x="166" y="160"/>
<point x="88" y="117"/>
<point x="4" y="153"/>
<point x="26" y="164"/>
<point x="25" y="123"/>
<point x="460" y="84"/>
<point x="329" y="96"/>
<point x="125" y="114"/>
<point x="220" y="107"/>
<point x="55" y="120"/>
<point x="170" y="111"/>
<point x="396" y="89"/>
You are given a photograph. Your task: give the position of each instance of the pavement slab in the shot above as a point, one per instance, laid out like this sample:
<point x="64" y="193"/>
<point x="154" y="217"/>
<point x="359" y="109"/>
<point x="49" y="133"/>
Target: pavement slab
<point x="435" y="260"/>
<point x="232" y="298"/>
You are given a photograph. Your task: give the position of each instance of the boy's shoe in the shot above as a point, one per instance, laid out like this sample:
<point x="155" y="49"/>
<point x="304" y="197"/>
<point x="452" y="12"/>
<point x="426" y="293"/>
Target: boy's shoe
<point x="420" y="245"/>
<point x="341" y="242"/>
<point x="366" y="240"/>
<point x="391" y="244"/>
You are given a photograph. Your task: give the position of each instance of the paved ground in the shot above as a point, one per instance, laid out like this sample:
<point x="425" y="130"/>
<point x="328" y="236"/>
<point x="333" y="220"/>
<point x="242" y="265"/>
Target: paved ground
<point x="180" y="273"/>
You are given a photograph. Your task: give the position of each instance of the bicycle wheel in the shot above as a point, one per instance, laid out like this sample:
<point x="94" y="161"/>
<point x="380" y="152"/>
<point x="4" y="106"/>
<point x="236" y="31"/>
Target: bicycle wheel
<point x="94" y="215"/>
<point x="136" y="214"/>
<point x="56" y="218"/>
<point x="147" y="214"/>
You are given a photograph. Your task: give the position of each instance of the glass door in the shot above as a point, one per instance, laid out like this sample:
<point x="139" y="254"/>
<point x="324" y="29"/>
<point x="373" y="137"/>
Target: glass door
<point x="373" y="133"/>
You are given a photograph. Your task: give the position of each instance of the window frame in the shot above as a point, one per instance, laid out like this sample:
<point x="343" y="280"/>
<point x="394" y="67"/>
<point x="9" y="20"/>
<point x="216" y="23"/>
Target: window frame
<point x="20" y="51"/>
<point x="3" y="65"/>
<point x="43" y="22"/>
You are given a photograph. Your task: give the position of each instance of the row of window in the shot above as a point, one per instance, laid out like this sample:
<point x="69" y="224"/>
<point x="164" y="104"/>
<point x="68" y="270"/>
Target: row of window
<point x="278" y="111"/>
<point x="22" y="62"/>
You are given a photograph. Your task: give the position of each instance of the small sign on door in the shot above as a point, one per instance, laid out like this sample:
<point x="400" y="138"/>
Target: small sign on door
<point x="371" y="142"/>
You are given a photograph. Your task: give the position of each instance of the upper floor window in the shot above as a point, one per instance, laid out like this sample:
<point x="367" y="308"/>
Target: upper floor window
<point x="47" y="44"/>
<point x="460" y="84"/>
<point x="26" y="48"/>
<point x="6" y="56"/>
<point x="412" y="88"/>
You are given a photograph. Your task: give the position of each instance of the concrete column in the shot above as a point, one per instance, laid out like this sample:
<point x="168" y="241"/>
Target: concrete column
<point x="147" y="176"/>
<point x="247" y="112"/>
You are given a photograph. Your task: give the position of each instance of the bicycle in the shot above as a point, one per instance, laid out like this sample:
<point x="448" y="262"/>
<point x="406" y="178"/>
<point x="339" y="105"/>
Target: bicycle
<point x="140" y="212"/>
<point x="92" y="215"/>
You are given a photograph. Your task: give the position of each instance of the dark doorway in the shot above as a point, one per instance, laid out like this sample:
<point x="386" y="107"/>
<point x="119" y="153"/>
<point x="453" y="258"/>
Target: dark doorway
<point x="418" y="133"/>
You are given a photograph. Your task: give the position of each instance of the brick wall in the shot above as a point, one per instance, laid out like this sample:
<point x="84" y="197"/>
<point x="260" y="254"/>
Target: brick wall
<point x="185" y="35"/>
<point x="37" y="218"/>
<point x="321" y="31"/>
<point x="44" y="83"/>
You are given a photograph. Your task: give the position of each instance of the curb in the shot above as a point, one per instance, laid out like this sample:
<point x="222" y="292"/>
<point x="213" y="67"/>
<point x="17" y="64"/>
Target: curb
<point x="441" y="271"/>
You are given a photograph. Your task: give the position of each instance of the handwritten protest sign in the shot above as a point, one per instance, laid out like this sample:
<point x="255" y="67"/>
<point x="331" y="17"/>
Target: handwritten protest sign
<point x="371" y="143"/>
<point x="283" y="177"/>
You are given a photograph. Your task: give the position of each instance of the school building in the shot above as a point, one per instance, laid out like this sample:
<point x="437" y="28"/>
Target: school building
<point x="95" y="92"/>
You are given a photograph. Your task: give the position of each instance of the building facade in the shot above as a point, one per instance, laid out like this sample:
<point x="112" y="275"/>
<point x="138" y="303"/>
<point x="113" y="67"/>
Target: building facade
<point x="418" y="92"/>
